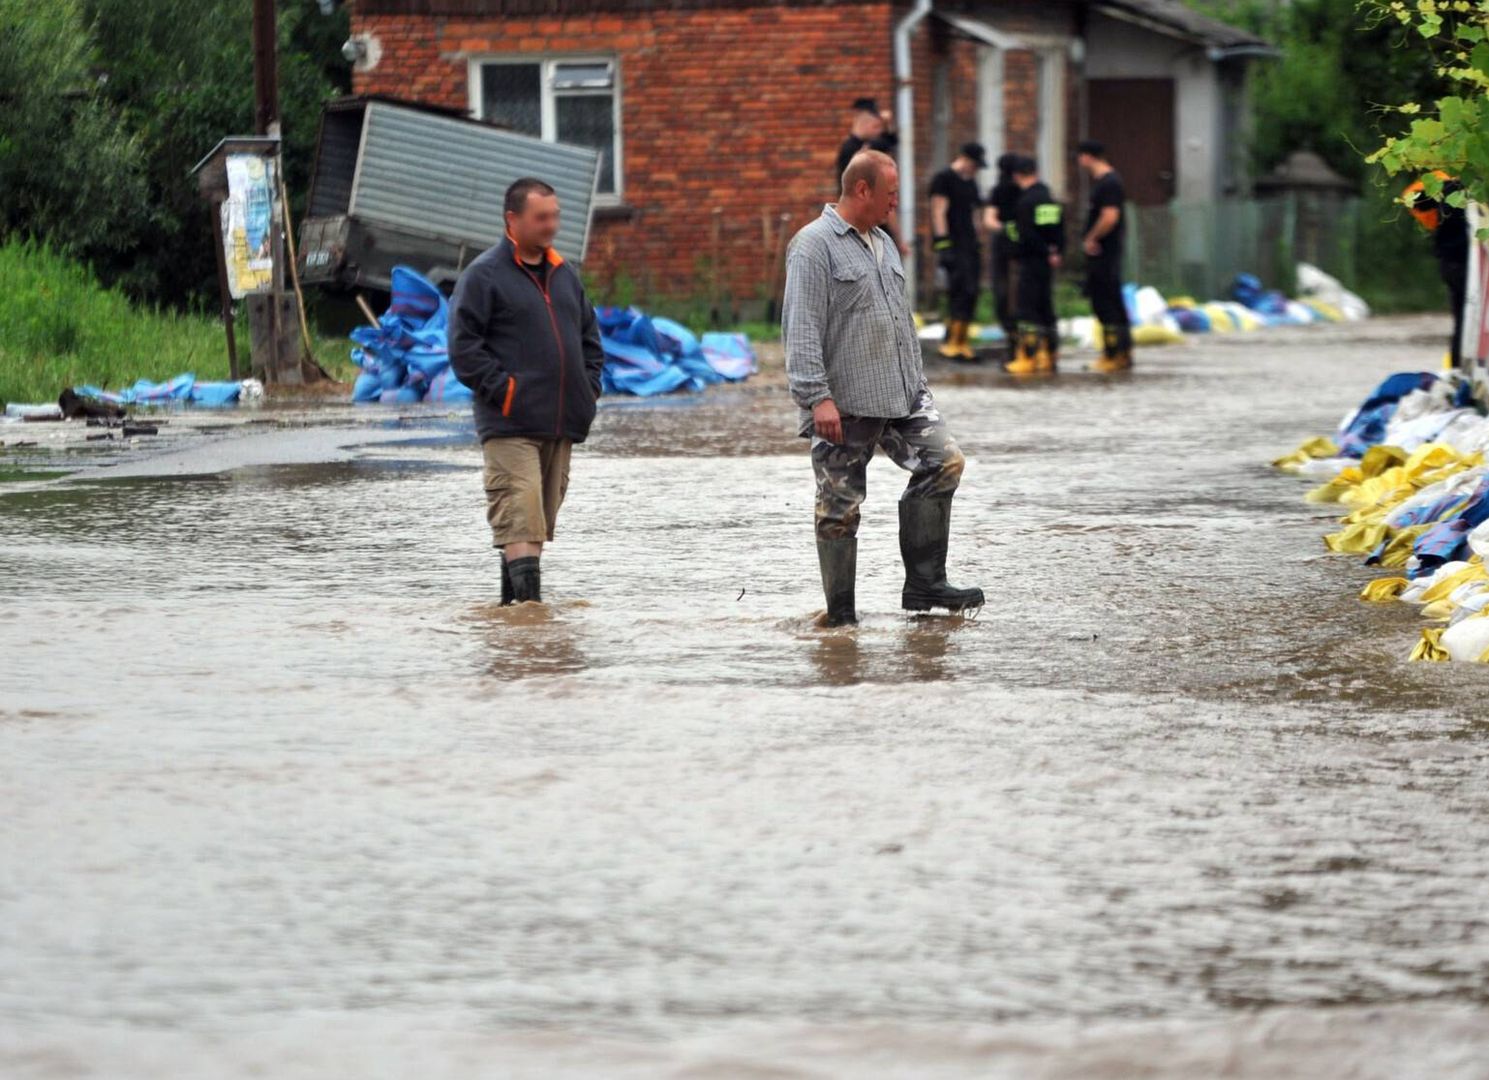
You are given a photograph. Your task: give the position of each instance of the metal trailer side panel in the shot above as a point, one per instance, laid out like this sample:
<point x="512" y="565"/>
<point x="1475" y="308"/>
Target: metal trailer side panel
<point x="447" y="177"/>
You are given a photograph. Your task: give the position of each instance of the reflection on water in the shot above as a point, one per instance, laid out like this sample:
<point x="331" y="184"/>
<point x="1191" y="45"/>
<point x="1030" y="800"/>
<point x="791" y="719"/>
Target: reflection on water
<point x="270" y="749"/>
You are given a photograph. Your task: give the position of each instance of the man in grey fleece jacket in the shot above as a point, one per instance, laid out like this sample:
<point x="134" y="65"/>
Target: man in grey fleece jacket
<point x="524" y="338"/>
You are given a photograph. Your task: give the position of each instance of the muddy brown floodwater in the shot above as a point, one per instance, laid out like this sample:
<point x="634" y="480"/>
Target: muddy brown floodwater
<point x="284" y="793"/>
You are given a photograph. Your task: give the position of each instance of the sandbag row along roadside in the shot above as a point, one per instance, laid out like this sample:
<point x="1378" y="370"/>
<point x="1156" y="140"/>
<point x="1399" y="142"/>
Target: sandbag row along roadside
<point x="1408" y="468"/>
<point x="1157" y="320"/>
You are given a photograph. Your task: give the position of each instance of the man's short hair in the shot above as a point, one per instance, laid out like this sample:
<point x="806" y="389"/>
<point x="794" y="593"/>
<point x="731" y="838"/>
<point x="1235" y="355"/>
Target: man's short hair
<point x="517" y="194"/>
<point x="1095" y="147"/>
<point x="866" y="165"/>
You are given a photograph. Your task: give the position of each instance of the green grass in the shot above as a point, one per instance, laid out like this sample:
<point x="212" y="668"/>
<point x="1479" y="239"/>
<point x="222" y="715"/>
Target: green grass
<point x="60" y="328"/>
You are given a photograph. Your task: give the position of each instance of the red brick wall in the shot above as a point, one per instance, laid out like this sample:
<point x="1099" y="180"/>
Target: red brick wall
<point x="739" y="108"/>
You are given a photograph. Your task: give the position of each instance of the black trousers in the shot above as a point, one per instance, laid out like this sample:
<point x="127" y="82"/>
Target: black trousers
<point x="1455" y="275"/>
<point x="1035" y="303"/>
<point x="1002" y="261"/>
<point x="963" y="282"/>
<point x="1104" y="290"/>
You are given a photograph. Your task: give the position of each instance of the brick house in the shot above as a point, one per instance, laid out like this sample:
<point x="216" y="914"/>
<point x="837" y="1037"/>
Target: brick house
<point x="718" y="117"/>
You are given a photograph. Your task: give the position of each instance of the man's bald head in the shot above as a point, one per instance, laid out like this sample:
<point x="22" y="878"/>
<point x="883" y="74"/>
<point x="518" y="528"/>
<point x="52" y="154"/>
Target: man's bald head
<point x="871" y="190"/>
<point x="866" y="166"/>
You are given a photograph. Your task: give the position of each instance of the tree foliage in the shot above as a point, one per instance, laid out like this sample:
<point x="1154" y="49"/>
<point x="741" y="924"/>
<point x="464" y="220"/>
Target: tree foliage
<point x="1450" y="133"/>
<point x="107" y="104"/>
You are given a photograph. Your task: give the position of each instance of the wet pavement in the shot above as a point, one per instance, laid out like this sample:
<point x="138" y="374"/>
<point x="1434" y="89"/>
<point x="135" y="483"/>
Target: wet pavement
<point x="282" y="788"/>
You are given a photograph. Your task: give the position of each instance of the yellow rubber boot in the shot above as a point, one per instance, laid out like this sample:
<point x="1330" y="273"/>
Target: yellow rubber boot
<point x="964" y="350"/>
<point x="1113" y="359"/>
<point x="1044" y="356"/>
<point x="1026" y="360"/>
<point x="951" y="348"/>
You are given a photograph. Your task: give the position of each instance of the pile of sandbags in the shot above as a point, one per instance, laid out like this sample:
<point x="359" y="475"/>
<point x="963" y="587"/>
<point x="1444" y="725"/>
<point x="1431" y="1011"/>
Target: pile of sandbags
<point x="405" y="358"/>
<point x="648" y="354"/>
<point x="1409" y="467"/>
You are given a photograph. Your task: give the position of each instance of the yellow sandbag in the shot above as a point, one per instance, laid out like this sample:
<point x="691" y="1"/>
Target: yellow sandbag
<point x="1439" y="611"/>
<point x="1399" y="550"/>
<point x="1384" y="590"/>
<point x="1330" y="312"/>
<point x="1430" y="647"/>
<point x="1447" y="472"/>
<point x="1386" y="490"/>
<point x="1316" y="447"/>
<point x="1156" y="335"/>
<point x="1357" y="539"/>
<point x="1245" y="320"/>
<point x="1380" y="458"/>
<point x="1425" y="459"/>
<point x="1183" y="302"/>
<point x="1221" y="320"/>
<point x="1330" y="492"/>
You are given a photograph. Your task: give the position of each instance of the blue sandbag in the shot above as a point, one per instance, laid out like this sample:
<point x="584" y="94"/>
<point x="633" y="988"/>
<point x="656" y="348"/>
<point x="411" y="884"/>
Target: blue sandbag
<point x="620" y="380"/>
<point x="368" y="387"/>
<point x="1366" y="426"/>
<point x="446" y="387"/>
<point x="676" y="339"/>
<point x="1191" y="320"/>
<point x="215" y="395"/>
<point x="730" y="355"/>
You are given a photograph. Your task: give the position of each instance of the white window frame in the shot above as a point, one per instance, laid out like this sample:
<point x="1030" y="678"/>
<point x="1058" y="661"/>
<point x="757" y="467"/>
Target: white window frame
<point x="548" y="108"/>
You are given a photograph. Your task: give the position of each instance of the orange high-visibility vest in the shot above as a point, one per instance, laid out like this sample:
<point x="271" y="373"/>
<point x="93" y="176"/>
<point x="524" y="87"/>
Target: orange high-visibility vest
<point x="1424" y="210"/>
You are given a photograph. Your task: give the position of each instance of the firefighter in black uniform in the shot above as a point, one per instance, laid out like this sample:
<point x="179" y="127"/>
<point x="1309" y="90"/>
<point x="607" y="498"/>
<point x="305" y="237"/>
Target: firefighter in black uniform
<point x="955" y="201"/>
<point x="996" y="218"/>
<point x="1039" y="235"/>
<point x="1106" y="223"/>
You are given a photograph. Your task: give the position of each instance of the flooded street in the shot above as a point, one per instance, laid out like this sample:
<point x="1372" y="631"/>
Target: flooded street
<point x="282" y="788"/>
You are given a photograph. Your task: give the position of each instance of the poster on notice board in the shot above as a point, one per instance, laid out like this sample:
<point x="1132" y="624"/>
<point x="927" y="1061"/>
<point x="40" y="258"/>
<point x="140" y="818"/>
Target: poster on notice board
<point x="248" y="216"/>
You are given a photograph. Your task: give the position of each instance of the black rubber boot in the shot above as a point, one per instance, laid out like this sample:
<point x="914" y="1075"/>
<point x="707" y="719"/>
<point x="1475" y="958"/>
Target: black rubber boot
<point x="507" y="594"/>
<point x="925" y="533"/>
<point x="839" y="562"/>
<point x="527" y="580"/>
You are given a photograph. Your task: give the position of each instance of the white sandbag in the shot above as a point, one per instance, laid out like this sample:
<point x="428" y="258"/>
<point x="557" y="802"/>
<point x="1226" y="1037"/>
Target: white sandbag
<point x="1083" y="330"/>
<point x="1468" y="640"/>
<point x="1413" y="592"/>
<point x="1314" y="284"/>
<point x="1151" y="306"/>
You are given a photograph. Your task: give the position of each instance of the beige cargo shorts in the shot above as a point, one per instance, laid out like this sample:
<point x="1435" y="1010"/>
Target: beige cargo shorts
<point x="526" y="480"/>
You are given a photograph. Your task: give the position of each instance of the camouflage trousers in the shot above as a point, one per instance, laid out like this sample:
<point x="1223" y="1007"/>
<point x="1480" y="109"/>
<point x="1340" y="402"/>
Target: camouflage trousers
<point x="918" y="443"/>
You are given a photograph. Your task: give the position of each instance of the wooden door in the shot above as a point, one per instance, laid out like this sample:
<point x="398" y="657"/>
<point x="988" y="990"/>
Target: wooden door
<point x="1135" y="119"/>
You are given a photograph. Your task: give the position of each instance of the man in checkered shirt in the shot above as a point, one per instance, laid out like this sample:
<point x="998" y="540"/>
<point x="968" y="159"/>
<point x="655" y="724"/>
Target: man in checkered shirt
<point x="854" y="364"/>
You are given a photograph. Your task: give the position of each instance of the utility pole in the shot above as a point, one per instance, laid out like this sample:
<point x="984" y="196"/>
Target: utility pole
<point x="265" y="68"/>
<point x="278" y="356"/>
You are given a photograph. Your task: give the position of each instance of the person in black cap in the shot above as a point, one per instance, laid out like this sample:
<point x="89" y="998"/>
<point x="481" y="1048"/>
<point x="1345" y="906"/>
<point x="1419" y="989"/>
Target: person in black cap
<point x="872" y="130"/>
<point x="1038" y="231"/>
<point x="1105" y="225"/>
<point x="955" y="200"/>
<point x="1001" y="203"/>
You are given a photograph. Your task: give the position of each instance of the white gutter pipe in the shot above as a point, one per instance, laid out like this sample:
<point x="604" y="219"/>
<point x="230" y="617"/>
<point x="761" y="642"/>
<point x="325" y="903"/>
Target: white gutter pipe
<point x="905" y="119"/>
